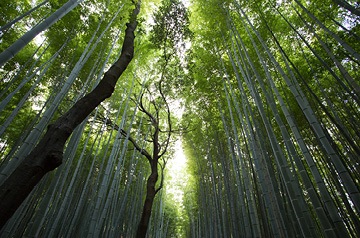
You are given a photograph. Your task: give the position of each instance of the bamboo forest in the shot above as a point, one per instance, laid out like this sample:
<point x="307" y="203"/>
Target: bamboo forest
<point x="180" y="118"/>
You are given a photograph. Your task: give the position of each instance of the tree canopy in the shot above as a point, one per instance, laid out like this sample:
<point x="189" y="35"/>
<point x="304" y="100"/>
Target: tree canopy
<point x="264" y="97"/>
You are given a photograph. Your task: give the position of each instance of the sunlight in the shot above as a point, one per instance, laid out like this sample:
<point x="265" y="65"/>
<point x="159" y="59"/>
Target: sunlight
<point x="177" y="173"/>
<point x="40" y="38"/>
<point x="186" y="3"/>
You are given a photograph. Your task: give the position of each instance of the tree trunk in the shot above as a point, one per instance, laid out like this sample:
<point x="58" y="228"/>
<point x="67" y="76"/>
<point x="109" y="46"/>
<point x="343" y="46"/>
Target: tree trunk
<point x="12" y="50"/>
<point x="11" y="23"/>
<point x="149" y="200"/>
<point x="348" y="7"/>
<point x="47" y="155"/>
<point x="150" y="186"/>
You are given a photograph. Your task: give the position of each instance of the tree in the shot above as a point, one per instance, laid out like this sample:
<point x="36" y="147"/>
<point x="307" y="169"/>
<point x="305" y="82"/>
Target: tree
<point x="169" y="32"/>
<point x="26" y="38"/>
<point x="127" y="50"/>
<point x="47" y="155"/>
<point x="155" y="158"/>
<point x="264" y="141"/>
<point x="270" y="96"/>
<point x="155" y="152"/>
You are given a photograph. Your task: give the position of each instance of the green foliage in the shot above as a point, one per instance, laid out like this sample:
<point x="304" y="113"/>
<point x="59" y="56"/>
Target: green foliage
<point x="171" y="26"/>
<point x="270" y="106"/>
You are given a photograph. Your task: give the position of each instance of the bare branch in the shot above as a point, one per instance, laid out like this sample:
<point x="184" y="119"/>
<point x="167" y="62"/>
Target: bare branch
<point x="162" y="177"/>
<point x="113" y="126"/>
<point x="137" y="147"/>
<point x="142" y="109"/>
<point x="168" y="119"/>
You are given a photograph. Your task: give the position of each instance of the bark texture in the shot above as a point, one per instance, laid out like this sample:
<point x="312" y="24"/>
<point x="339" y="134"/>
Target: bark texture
<point x="153" y="160"/>
<point x="151" y="189"/>
<point x="149" y="201"/>
<point x="48" y="153"/>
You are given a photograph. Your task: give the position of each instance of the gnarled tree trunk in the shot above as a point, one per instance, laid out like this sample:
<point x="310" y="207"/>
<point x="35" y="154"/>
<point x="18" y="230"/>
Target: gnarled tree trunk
<point x="48" y="153"/>
<point x="149" y="200"/>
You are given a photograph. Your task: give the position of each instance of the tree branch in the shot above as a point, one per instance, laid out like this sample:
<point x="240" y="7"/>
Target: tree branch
<point x="168" y="120"/>
<point x="162" y="176"/>
<point x="48" y="153"/>
<point x="135" y="144"/>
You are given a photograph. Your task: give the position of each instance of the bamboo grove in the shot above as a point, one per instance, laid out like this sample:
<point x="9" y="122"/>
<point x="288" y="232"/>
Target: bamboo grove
<point x="269" y="98"/>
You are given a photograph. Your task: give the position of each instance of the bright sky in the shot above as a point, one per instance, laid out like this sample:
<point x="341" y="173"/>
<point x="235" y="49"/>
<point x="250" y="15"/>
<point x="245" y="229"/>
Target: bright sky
<point x="186" y="3"/>
<point x="176" y="181"/>
<point x="176" y="167"/>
